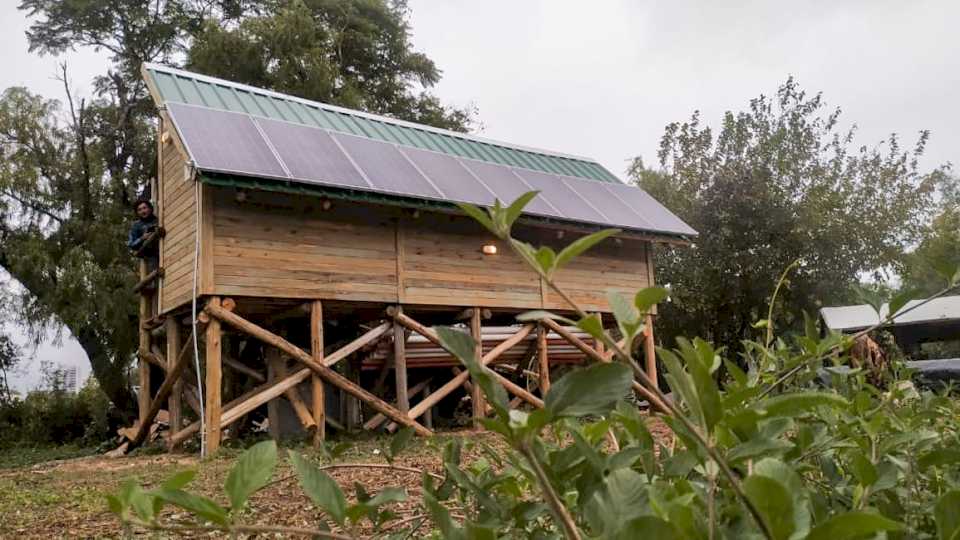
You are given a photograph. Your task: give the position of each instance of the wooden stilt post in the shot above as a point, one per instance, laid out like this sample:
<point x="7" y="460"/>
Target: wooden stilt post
<point x="173" y="348"/>
<point x="213" y="380"/>
<point x="316" y="383"/>
<point x="400" y="365"/>
<point x="428" y="414"/>
<point x="272" y="358"/>
<point x="476" y="395"/>
<point x="543" y="360"/>
<point x="650" y="350"/>
<point x="143" y="368"/>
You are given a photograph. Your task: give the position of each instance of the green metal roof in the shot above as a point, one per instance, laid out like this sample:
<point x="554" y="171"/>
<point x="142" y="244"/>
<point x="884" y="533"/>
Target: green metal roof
<point x="174" y="85"/>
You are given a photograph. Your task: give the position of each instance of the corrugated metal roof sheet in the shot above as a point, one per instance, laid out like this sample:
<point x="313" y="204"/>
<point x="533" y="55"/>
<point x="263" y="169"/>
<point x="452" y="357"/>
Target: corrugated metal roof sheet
<point x="178" y="86"/>
<point x="842" y="318"/>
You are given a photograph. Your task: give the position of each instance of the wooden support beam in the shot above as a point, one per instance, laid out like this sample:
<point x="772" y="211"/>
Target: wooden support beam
<point x="318" y="395"/>
<point x="543" y="360"/>
<point x="143" y="368"/>
<point x="236" y="365"/>
<point x="650" y="350"/>
<point x="366" y="339"/>
<point x="400" y="365"/>
<point x="458" y="380"/>
<point x="153" y="358"/>
<point x="214" y="379"/>
<point x="476" y="395"/>
<point x="597" y="357"/>
<point x="148" y="279"/>
<point x="428" y="414"/>
<point x="162" y="395"/>
<point x="174" y="406"/>
<point x="323" y="370"/>
<point x="246" y="403"/>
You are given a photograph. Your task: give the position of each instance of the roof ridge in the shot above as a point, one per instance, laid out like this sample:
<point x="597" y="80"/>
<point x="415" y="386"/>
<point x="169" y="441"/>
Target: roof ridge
<point x="370" y="116"/>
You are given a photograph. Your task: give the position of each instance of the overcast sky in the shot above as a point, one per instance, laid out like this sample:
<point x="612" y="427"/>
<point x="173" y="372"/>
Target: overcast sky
<point x="602" y="78"/>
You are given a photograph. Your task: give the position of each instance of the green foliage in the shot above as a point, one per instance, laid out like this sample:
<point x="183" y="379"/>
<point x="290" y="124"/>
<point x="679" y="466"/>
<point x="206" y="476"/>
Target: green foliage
<point x="55" y="417"/>
<point x="353" y="53"/>
<point x="779" y="179"/>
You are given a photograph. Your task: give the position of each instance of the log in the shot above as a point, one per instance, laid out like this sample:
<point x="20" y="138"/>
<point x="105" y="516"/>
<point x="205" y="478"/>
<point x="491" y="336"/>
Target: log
<point x="149" y="240"/>
<point x="214" y="381"/>
<point x="153" y="358"/>
<point x="457" y="380"/>
<point x="161" y="397"/>
<point x="650" y="350"/>
<point x="143" y="368"/>
<point x="318" y="393"/>
<point x="174" y="405"/>
<point x="543" y="360"/>
<point x="478" y="406"/>
<point x="597" y="357"/>
<point x="148" y="279"/>
<point x="243" y="368"/>
<point x="323" y="370"/>
<point x="400" y="366"/>
<point x="369" y="337"/>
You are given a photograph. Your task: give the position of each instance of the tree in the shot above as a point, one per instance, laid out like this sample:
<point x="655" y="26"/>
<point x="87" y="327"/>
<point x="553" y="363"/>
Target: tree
<point x="939" y="247"/>
<point x="353" y="53"/>
<point x="779" y="182"/>
<point x="10" y="356"/>
<point x="69" y="171"/>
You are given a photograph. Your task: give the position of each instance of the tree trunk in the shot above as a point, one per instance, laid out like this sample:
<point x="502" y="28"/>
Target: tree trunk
<point x="110" y="373"/>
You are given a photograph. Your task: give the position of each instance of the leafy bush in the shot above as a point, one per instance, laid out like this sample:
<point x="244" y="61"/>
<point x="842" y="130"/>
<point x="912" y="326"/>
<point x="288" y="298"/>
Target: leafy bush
<point x="56" y="417"/>
<point x="766" y="451"/>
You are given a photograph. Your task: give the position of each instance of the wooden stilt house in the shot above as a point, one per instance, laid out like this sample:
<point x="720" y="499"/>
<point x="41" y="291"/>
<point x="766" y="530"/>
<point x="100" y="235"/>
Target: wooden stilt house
<point x="299" y="231"/>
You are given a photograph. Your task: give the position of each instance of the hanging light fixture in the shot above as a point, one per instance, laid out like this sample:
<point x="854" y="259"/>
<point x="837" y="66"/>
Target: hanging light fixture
<point x="489" y="249"/>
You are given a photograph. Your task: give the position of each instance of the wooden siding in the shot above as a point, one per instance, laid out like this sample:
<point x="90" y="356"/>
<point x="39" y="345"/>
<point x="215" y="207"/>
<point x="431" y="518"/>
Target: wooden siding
<point x="177" y="210"/>
<point x="280" y="246"/>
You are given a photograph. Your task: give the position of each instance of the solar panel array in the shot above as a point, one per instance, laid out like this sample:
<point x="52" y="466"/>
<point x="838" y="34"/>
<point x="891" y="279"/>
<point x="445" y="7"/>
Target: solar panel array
<point x="241" y="144"/>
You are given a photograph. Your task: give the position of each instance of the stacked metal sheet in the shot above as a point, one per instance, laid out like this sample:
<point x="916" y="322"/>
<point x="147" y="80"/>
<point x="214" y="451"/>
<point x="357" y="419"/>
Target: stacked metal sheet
<point x="242" y="144"/>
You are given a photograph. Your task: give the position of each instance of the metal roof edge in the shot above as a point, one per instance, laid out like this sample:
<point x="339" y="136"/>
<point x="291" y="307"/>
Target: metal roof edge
<point x="371" y="116"/>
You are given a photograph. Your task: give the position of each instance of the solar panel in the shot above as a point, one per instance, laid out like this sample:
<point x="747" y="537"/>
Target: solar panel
<point x="224" y="141"/>
<point x="229" y="142"/>
<point x="616" y="211"/>
<point x="449" y="176"/>
<point x="508" y="186"/>
<point x="564" y="199"/>
<point x="650" y="209"/>
<point x="311" y="155"/>
<point x="387" y="168"/>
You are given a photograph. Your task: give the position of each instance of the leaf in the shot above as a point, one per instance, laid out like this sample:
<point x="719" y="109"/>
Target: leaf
<point x="441" y="518"/>
<point x="115" y="506"/>
<point x="251" y="472"/>
<point x="649" y="297"/>
<point x="592" y="325"/>
<point x="546" y="258"/>
<point x="480" y="216"/>
<point x="593" y="390"/>
<point x="947" y="515"/>
<point x="400" y="441"/>
<point x="948" y="270"/>
<point x="648" y="528"/>
<point x="580" y="245"/>
<point x="462" y="345"/>
<point x="627" y="316"/>
<point x="321" y="489"/>
<point x="512" y="212"/>
<point x="179" y="480"/>
<point x="774" y="503"/>
<point x="538" y="314"/>
<point x="387" y="495"/>
<point x="799" y="403"/>
<point x="621" y="497"/>
<point x="850" y="525"/>
<point x="863" y="469"/>
<point x="898" y="301"/>
<point x="681" y="382"/>
<point x="938" y="457"/>
<point x="706" y="386"/>
<point x="200" y="506"/>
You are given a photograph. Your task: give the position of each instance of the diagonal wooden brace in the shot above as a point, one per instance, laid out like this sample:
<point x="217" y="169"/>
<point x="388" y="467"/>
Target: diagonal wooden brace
<point x="322" y="370"/>
<point x="162" y="394"/>
<point x="597" y="357"/>
<point x="458" y="380"/>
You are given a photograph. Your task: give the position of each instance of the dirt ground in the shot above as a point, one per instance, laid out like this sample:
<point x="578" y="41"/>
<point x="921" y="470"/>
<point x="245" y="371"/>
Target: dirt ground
<point x="66" y="498"/>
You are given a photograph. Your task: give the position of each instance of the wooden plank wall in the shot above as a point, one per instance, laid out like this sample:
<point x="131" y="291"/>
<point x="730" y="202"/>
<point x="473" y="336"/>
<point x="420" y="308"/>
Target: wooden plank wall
<point x="282" y="246"/>
<point x="178" y="216"/>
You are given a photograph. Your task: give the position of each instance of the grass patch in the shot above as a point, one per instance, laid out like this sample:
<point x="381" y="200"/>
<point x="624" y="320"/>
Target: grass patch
<point x="13" y="457"/>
